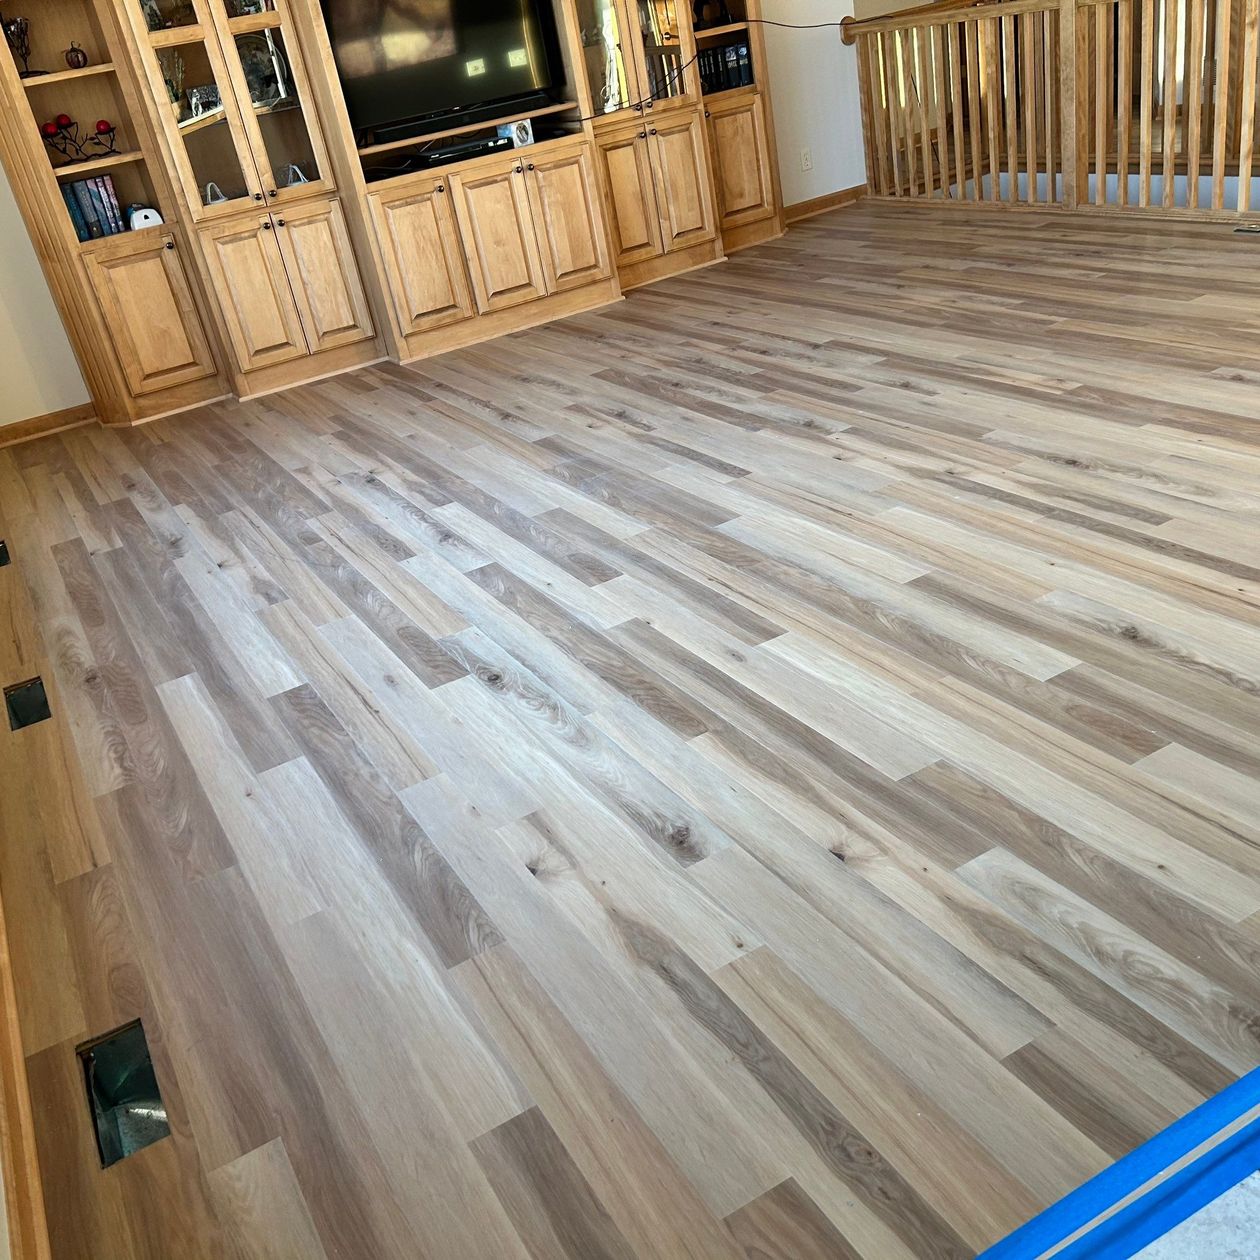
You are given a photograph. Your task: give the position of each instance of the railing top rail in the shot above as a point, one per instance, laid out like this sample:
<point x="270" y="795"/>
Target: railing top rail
<point x="940" y="14"/>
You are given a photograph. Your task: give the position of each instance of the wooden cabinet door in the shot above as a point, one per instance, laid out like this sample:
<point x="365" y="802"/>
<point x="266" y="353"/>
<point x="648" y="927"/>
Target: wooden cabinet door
<point x="259" y="311"/>
<point x="741" y="161"/>
<point x="634" y="221"/>
<point x="323" y="274"/>
<point x="568" y="219"/>
<point x="149" y="311"/>
<point x="683" y="193"/>
<point x="423" y="262"/>
<point x="497" y="226"/>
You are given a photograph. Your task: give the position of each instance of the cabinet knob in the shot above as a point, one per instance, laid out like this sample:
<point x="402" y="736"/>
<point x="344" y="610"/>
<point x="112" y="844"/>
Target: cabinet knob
<point x="639" y="106"/>
<point x="652" y="131"/>
<point x="531" y="166"/>
<point x="707" y="114"/>
<point x="271" y="192"/>
<point x="441" y="188"/>
<point x="170" y="245"/>
<point x="279" y="223"/>
<point x="258" y="196"/>
<point x="519" y="171"/>
<point x="649" y="105"/>
<point x="267" y="226"/>
<point x="642" y="135"/>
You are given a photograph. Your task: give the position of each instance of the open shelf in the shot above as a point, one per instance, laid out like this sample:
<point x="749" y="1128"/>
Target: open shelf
<point x="67" y="76"/>
<point x="410" y="142"/>
<point x="731" y="28"/>
<point x="94" y="166"/>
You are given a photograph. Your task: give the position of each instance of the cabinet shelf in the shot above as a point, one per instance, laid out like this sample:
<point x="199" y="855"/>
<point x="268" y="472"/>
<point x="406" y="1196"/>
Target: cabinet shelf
<point x="93" y="166"/>
<point x="390" y="146"/>
<point x="731" y="28"/>
<point x="66" y="76"/>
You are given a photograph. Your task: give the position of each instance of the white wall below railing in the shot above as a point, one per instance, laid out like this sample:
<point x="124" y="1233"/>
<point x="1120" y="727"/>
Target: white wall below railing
<point x="38" y="373"/>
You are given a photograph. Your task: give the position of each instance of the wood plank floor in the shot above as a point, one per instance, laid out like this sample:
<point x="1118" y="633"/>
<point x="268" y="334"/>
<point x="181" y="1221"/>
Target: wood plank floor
<point x="764" y="770"/>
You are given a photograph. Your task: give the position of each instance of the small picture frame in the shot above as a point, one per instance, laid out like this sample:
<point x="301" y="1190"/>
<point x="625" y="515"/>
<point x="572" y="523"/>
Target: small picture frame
<point x="203" y="100"/>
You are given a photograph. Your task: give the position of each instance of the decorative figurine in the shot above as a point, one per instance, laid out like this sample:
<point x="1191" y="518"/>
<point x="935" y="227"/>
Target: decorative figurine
<point x="62" y="135"/>
<point x="17" y="32"/>
<point x="75" y="57"/>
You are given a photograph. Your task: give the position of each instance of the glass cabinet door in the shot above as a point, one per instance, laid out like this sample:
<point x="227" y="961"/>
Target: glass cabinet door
<point x="211" y="148"/>
<point x="274" y="98"/>
<point x="608" y="68"/>
<point x="663" y="48"/>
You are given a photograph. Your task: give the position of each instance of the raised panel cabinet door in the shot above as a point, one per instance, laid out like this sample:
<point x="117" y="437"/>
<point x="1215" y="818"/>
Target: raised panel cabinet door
<point x="263" y="325"/>
<point x="424" y="265"/>
<point x="683" y="193"/>
<point x="497" y="227"/>
<point x="634" y="221"/>
<point x="150" y="314"/>
<point x="323" y="274"/>
<point x="568" y="219"/>
<point x="741" y="161"/>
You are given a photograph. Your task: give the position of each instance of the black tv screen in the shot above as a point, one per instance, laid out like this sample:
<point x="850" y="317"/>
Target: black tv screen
<point x="424" y="60"/>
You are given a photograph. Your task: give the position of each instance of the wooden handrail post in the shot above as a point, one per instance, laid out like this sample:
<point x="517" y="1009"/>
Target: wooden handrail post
<point x="1070" y="70"/>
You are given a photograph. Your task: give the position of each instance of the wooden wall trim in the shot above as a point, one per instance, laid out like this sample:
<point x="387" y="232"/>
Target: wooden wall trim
<point x="19" y="1165"/>
<point x="818" y="205"/>
<point x="53" y="422"/>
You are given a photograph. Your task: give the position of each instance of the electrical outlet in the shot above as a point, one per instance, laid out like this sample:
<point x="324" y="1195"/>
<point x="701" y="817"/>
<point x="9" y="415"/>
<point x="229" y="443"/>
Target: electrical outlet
<point x="807" y="160"/>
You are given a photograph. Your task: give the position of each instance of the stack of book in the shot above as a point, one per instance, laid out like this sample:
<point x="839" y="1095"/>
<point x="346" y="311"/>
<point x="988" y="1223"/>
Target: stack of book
<point x="94" y="208"/>
<point x="727" y="67"/>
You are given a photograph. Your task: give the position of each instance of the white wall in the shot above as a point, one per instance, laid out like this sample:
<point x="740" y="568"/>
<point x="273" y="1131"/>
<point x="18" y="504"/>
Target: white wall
<point x="38" y="373"/>
<point x="814" y="88"/>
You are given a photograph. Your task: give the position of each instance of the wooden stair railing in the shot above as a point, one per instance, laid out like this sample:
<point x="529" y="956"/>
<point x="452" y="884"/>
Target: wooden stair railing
<point x="1109" y="105"/>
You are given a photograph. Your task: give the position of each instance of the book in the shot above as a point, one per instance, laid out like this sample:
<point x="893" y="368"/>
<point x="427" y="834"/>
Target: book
<point x="83" y="195"/>
<point x="98" y="204"/>
<point x="110" y="197"/>
<point x="76" y="215"/>
<point x="731" y="66"/>
<point x="745" y="66"/>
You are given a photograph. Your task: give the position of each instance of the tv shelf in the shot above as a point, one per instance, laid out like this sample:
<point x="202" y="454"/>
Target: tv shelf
<point x="371" y="150"/>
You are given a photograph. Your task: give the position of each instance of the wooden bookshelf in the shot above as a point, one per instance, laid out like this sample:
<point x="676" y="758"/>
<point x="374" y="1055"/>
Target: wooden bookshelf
<point x="94" y="166"/>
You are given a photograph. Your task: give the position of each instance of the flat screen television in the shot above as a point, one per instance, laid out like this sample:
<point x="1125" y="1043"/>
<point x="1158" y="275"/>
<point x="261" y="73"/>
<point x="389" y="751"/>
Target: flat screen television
<point x="411" y="66"/>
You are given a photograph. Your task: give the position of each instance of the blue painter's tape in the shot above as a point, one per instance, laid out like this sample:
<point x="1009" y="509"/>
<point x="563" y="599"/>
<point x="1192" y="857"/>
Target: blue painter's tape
<point x="1112" y="1184"/>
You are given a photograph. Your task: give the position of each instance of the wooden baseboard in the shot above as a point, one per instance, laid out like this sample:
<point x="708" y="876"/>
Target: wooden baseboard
<point x="53" y="422"/>
<point x="818" y="205"/>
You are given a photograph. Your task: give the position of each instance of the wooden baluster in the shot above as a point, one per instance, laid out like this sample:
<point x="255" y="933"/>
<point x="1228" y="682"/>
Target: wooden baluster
<point x="1147" y="103"/>
<point x="1220" y="117"/>
<point x="1049" y="48"/>
<point x="1124" y="98"/>
<point x="1071" y="88"/>
<point x="1102" y="92"/>
<point x="869" y="51"/>
<point x="975" y="108"/>
<point x="1010" y="101"/>
<point x="1194" y="101"/>
<point x="892" y="94"/>
<point x="1247" y="104"/>
<point x="868" y="107"/>
<point x="1169" y="99"/>
<point x="1084" y="101"/>
<point x="923" y="95"/>
<point x="941" y="100"/>
<point x="1028" y="83"/>
<point x="905" y="60"/>
<point x="993" y="105"/>
<point x="956" y="97"/>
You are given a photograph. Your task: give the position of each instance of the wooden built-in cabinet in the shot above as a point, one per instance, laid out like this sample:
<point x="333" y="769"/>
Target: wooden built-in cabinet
<point x="742" y="169"/>
<point x="421" y="255"/>
<point x="290" y="248"/>
<point x="154" y="327"/>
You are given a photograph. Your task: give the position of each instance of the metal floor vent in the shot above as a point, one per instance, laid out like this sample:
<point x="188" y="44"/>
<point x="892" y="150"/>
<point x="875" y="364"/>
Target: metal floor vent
<point x="4" y="553"/>
<point x="27" y="703"/>
<point x="128" y="1113"/>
